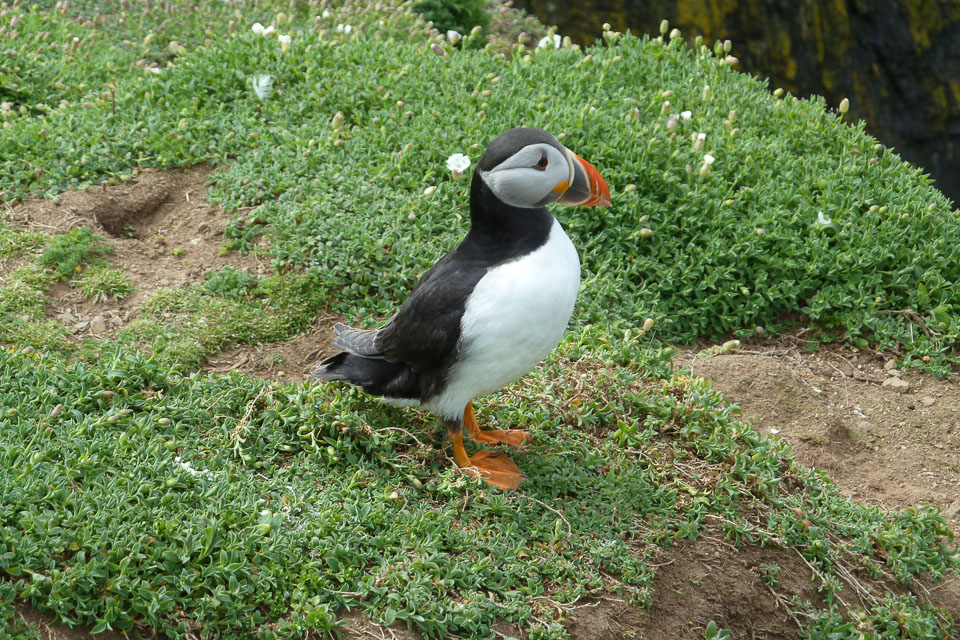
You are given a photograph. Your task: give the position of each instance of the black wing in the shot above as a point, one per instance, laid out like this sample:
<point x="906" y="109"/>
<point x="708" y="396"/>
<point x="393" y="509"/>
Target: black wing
<point x="425" y="330"/>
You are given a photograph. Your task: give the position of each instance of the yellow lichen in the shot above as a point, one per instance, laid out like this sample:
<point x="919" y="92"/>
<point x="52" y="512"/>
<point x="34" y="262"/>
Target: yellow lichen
<point x="925" y="21"/>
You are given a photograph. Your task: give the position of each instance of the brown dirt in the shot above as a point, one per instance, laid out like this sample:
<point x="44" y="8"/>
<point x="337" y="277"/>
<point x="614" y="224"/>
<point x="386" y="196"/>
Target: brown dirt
<point x="290" y="361"/>
<point x="163" y="232"/>
<point x="880" y="446"/>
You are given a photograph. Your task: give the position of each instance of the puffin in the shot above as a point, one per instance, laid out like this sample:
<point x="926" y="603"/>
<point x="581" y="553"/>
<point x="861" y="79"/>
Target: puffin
<point x="491" y="308"/>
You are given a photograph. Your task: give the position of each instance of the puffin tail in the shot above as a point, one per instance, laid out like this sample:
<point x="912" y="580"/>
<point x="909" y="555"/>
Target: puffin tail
<point x="376" y="377"/>
<point x="335" y="368"/>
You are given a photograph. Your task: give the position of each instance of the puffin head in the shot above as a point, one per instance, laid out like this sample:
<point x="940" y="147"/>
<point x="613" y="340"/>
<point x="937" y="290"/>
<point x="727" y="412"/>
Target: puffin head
<point x="529" y="168"/>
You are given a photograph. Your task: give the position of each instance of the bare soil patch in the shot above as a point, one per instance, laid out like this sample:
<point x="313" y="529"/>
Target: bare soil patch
<point x="163" y="232"/>
<point x="884" y="436"/>
<point x="289" y="361"/>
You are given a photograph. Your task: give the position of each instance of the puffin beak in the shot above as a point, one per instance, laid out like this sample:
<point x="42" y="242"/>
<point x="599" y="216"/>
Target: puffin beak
<point x="586" y="186"/>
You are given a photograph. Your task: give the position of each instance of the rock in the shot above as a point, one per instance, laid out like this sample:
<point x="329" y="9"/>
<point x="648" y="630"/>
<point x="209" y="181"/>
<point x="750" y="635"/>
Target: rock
<point x="927" y="401"/>
<point x="953" y="510"/>
<point x="898" y="385"/>
<point x="66" y="317"/>
<point x="80" y="326"/>
<point x="890" y="364"/>
<point x="203" y="227"/>
<point x="896" y="372"/>
<point x="98" y="325"/>
<point x="863" y="424"/>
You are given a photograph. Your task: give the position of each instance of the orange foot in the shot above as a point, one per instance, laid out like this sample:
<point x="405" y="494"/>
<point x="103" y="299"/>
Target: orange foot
<point x="495" y="468"/>
<point x="513" y="437"/>
<point x="491" y="466"/>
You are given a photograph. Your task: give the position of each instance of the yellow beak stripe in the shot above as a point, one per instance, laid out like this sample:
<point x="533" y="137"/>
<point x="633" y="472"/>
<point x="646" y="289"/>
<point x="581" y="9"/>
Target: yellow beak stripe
<point x="562" y="187"/>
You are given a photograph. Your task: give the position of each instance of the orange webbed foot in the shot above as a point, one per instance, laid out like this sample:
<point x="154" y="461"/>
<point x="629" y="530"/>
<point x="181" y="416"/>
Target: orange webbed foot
<point x="495" y="468"/>
<point x="512" y="437"/>
<point x="491" y="466"/>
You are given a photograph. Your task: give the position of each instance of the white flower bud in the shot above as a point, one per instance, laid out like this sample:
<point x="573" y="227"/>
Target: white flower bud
<point x="844" y="106"/>
<point x="664" y="27"/>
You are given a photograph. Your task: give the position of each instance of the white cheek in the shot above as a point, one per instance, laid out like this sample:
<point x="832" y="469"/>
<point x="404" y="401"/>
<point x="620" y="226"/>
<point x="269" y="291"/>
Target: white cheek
<point x="525" y="187"/>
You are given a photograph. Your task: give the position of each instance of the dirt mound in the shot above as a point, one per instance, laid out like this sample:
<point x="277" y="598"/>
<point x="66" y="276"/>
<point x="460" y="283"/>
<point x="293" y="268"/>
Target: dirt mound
<point x="290" y="361"/>
<point x="163" y="232"/>
<point x="885" y="437"/>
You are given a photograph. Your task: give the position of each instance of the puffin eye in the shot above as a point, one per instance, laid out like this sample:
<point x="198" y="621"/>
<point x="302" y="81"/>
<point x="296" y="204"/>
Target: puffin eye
<point x="542" y="162"/>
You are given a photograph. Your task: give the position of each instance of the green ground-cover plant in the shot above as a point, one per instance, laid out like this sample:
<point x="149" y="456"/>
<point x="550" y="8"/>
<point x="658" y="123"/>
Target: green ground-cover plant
<point x="266" y="508"/>
<point x="65" y="252"/>
<point x="457" y="15"/>
<point x="101" y="283"/>
<point x="798" y="214"/>
<point x="13" y="242"/>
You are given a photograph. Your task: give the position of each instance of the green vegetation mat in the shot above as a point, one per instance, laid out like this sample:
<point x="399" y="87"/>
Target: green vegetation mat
<point x="140" y="494"/>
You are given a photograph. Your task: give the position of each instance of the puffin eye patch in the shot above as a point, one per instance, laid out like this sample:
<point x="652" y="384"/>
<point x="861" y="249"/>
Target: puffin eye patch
<point x="542" y="162"/>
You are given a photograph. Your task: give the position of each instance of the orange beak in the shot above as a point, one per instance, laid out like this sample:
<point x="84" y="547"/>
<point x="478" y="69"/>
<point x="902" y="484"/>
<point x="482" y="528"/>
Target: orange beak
<point x="586" y="187"/>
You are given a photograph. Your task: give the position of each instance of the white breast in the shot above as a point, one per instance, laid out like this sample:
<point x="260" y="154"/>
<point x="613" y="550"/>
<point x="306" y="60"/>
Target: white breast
<point x="515" y="316"/>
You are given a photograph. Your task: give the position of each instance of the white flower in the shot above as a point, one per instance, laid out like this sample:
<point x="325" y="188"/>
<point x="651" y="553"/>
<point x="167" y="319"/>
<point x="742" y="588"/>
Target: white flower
<point x="707" y="158"/>
<point x="186" y="466"/>
<point x="672" y="122"/>
<point x="458" y="164"/>
<point x="698" y="144"/>
<point x="707" y="161"/>
<point x="326" y="13"/>
<point x="686" y="115"/>
<point x="546" y="40"/>
<point x="429" y="191"/>
<point x="344" y="28"/>
<point x="823" y="220"/>
<point x="453" y="36"/>
<point x="263" y="86"/>
<point x="260" y="30"/>
<point x="284" y="43"/>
